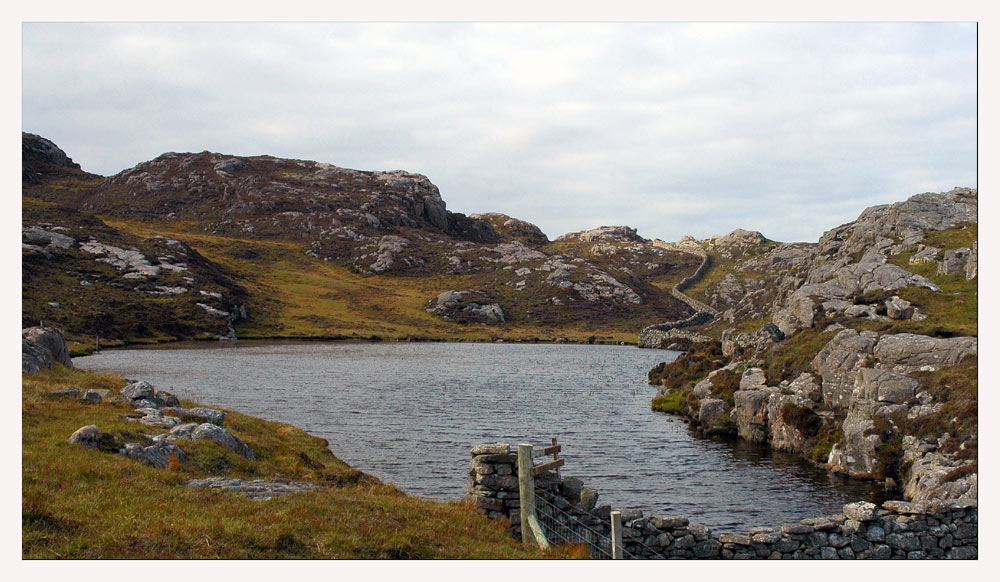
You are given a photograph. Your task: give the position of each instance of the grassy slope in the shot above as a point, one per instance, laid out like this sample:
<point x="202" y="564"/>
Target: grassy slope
<point x="298" y="296"/>
<point x="79" y="503"/>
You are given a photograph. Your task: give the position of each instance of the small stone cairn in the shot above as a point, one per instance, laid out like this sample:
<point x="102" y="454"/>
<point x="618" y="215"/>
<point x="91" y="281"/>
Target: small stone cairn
<point x="897" y="530"/>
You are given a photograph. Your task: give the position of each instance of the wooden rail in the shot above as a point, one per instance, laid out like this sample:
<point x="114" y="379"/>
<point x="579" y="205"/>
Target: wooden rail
<point x="527" y="470"/>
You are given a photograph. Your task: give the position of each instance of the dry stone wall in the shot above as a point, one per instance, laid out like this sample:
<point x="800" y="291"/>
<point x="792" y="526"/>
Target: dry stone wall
<point x="896" y="530"/>
<point x="653" y="336"/>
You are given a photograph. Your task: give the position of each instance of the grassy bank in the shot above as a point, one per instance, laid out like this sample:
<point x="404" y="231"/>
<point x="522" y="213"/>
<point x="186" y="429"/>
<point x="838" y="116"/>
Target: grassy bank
<point x="80" y="503"/>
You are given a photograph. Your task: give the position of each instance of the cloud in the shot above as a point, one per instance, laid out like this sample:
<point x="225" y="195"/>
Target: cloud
<point x="676" y="129"/>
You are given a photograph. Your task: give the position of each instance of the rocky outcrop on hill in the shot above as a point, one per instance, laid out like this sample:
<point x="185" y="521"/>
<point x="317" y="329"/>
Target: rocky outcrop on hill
<point x="852" y="259"/>
<point x="40" y="157"/>
<point x="374" y="223"/>
<point x="468" y="305"/>
<point x="513" y="229"/>
<point x="93" y="280"/>
<point x="42" y="348"/>
<point x="791" y="283"/>
<point x="603" y="233"/>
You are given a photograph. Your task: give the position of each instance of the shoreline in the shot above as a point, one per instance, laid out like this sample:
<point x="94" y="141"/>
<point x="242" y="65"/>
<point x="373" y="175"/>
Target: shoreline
<point x="372" y="339"/>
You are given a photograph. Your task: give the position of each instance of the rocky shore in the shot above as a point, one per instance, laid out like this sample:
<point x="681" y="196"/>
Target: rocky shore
<point x="867" y="360"/>
<point x="863" y="531"/>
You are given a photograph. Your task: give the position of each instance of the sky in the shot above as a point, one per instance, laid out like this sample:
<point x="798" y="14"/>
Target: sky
<point x="672" y="128"/>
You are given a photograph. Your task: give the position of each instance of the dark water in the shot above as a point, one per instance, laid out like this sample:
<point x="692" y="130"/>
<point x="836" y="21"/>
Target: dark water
<point x="409" y="413"/>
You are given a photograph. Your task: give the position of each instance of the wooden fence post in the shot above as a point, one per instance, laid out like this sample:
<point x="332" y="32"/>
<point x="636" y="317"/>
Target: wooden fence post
<point x="526" y="486"/>
<point x="617" y="549"/>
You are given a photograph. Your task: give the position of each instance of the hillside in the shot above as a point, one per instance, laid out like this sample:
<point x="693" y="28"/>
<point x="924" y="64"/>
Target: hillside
<point x="297" y="248"/>
<point x="858" y="351"/>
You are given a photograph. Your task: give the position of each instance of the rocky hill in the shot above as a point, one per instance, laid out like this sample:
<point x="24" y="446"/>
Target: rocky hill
<point x="858" y="351"/>
<point x="88" y="278"/>
<point x="266" y="223"/>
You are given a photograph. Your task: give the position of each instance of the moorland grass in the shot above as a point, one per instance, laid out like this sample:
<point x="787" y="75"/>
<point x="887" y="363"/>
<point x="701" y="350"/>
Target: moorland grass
<point x="86" y="504"/>
<point x="298" y="296"/>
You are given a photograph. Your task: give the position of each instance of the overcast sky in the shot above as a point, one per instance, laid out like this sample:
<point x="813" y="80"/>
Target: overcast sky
<point x="789" y="129"/>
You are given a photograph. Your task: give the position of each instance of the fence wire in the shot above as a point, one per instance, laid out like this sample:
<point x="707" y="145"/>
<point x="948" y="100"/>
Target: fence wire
<point x="561" y="527"/>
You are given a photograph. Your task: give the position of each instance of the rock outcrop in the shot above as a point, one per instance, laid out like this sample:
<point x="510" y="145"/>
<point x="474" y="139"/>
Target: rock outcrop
<point x="258" y="489"/>
<point x="468" y="305"/>
<point x="158" y="409"/>
<point x="42" y="348"/>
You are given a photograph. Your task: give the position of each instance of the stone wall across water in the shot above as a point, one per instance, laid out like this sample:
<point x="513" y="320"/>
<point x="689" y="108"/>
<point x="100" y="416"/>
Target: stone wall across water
<point x="896" y="530"/>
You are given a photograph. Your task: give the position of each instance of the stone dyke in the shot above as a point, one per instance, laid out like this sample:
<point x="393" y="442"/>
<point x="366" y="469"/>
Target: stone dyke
<point x="653" y="336"/>
<point x="896" y="530"/>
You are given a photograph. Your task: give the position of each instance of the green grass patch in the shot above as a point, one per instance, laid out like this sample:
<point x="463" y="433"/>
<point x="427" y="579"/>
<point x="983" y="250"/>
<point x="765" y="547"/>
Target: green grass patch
<point x="953" y="238"/>
<point x="672" y="403"/>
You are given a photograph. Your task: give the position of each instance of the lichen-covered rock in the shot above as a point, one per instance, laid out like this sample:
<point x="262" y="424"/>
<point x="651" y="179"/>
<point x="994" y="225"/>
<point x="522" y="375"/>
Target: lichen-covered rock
<point x="752" y="379"/>
<point x="92" y="396"/>
<point x="839" y="361"/>
<point x="897" y="308"/>
<point x="157" y="455"/>
<point x="856" y="453"/>
<point x="212" y="432"/>
<point x="258" y="489"/>
<point x="42" y="348"/>
<point x="468" y="305"/>
<point x="791" y="421"/>
<point x="603" y="233"/>
<point x="750" y="414"/>
<point x="86" y="437"/>
<point x="885" y="386"/>
<point x="972" y="264"/>
<point x="805" y="386"/>
<point x="211" y="415"/>
<point x="935" y="476"/>
<point x="954" y="262"/>
<point x="137" y="392"/>
<point x="907" y="352"/>
<point x="711" y="415"/>
<point x="165" y="399"/>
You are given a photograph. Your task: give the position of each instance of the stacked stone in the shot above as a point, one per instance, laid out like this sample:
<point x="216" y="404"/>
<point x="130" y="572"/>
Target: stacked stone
<point x="897" y="530"/>
<point x="652" y="336"/>
<point x="494" y="490"/>
<point x="493" y="484"/>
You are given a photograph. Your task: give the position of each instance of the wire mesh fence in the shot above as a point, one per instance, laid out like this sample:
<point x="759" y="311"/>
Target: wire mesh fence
<point x="561" y="527"/>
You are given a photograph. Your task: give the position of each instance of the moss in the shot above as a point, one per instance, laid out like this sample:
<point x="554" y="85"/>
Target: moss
<point x="889" y="452"/>
<point x="956" y="388"/>
<point x="722" y="425"/>
<point x="673" y="403"/>
<point x="953" y="238"/>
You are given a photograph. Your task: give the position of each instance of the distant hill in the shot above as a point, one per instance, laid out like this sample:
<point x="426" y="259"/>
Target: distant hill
<point x="300" y="248"/>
